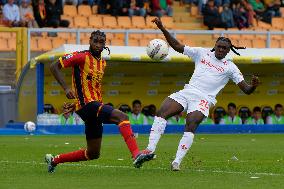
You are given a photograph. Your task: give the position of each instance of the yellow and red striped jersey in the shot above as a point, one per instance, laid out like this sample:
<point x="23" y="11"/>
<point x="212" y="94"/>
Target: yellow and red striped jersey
<point x="87" y="74"/>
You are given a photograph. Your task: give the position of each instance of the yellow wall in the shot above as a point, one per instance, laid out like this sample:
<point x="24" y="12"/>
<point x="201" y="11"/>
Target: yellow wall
<point x="152" y="82"/>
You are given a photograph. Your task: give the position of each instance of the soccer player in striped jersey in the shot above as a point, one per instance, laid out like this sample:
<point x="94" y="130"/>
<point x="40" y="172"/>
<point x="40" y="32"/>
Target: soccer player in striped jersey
<point x="87" y="73"/>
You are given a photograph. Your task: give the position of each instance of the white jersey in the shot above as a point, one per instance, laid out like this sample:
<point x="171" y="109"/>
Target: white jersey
<point x="210" y="74"/>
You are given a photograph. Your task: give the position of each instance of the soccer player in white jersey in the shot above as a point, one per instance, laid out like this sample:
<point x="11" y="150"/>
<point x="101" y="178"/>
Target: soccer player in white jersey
<point x="212" y="72"/>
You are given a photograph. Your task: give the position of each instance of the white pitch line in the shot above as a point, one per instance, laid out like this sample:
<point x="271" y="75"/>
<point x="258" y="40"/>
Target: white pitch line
<point x="130" y="167"/>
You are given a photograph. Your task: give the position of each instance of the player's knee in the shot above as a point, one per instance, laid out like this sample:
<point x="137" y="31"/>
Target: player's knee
<point x="93" y="155"/>
<point x="123" y="117"/>
<point x="161" y="114"/>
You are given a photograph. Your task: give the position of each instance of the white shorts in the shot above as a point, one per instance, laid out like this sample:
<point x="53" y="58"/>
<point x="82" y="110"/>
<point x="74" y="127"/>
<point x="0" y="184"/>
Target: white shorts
<point x="191" y="101"/>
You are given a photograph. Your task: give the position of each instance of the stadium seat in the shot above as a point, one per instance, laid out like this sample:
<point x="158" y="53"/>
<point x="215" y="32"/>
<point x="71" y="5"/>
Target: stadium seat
<point x="45" y="44"/>
<point x="138" y="22"/>
<point x="81" y="22"/>
<point x="119" y="35"/>
<point x="124" y="22"/>
<point x="245" y="43"/>
<point x="117" y="42"/>
<point x="69" y="18"/>
<point x="143" y="42"/>
<point x="4" y="44"/>
<point x="57" y="42"/>
<point x="12" y="44"/>
<point x="71" y="41"/>
<point x="168" y="22"/>
<point x="133" y="42"/>
<point x="34" y="46"/>
<point x="263" y="25"/>
<point x="282" y="43"/>
<point x="5" y="35"/>
<point x="150" y="36"/>
<point x="277" y="37"/>
<point x="194" y="11"/>
<point x="259" y="43"/>
<point x="70" y="10"/>
<point x="274" y="44"/>
<point x="189" y="42"/>
<point x="110" y="22"/>
<point x="95" y="22"/>
<point x="234" y="36"/>
<point x="215" y="36"/>
<point x="84" y="42"/>
<point x="110" y="36"/>
<point x="149" y="23"/>
<point x="135" y="35"/>
<point x="84" y="10"/>
<point x="278" y="23"/>
<point x="161" y="36"/>
<point x="95" y="9"/>
<point x="63" y="35"/>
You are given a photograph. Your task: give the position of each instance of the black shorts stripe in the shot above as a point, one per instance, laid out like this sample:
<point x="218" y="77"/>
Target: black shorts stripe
<point x="78" y="84"/>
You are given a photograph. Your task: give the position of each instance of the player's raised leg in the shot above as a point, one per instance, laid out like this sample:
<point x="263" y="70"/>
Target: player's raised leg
<point x="168" y="108"/>
<point x="193" y="119"/>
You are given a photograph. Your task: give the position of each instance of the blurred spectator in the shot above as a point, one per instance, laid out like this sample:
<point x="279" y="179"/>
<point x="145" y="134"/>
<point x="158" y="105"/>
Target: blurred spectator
<point x="219" y="3"/>
<point x="240" y="16"/>
<point x="207" y="121"/>
<point x="250" y="12"/>
<point x="259" y="9"/>
<point x="49" y="108"/>
<point x="244" y="113"/>
<point x="176" y="120"/>
<point x="265" y="112"/>
<point x="255" y="119"/>
<point x="72" y="2"/>
<point x="273" y="7"/>
<point x="54" y="10"/>
<point x="136" y="8"/>
<point x="103" y="7"/>
<point x="124" y="108"/>
<point x="232" y="117"/>
<point x="136" y="117"/>
<point x="39" y="12"/>
<point x="277" y="117"/>
<point x="199" y="3"/>
<point x="150" y="113"/>
<point x="11" y="14"/>
<point x="27" y="14"/>
<point x="218" y="113"/>
<point x="161" y="8"/>
<point x="69" y="117"/>
<point x="227" y="17"/>
<point x="212" y="18"/>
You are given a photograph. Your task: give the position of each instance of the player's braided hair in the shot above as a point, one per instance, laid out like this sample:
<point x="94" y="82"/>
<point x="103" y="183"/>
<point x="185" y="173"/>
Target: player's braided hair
<point x="100" y="33"/>
<point x="232" y="47"/>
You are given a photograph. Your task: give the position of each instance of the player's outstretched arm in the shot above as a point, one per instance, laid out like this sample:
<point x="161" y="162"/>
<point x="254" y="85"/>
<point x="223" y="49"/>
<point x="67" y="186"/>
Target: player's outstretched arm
<point x="170" y="39"/>
<point x="248" y="89"/>
<point x="55" y="70"/>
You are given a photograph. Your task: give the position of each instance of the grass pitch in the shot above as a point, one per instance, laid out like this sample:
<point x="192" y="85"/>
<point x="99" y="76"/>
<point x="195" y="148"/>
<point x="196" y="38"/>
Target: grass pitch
<point x="214" y="161"/>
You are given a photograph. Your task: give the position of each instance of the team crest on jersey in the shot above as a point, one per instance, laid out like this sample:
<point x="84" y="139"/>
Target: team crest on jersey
<point x="69" y="56"/>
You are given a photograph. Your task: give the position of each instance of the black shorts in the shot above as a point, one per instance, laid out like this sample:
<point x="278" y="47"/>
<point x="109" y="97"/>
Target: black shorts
<point x="94" y="114"/>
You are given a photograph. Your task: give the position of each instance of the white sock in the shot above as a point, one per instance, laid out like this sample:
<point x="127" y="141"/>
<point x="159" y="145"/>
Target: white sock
<point x="157" y="130"/>
<point x="184" y="145"/>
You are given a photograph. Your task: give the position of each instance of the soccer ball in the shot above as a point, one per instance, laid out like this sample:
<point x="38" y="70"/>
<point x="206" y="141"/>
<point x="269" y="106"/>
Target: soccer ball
<point x="30" y="126"/>
<point x="157" y="49"/>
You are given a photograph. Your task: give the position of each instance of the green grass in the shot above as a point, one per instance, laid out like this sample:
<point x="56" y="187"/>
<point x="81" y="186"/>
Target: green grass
<point x="208" y="165"/>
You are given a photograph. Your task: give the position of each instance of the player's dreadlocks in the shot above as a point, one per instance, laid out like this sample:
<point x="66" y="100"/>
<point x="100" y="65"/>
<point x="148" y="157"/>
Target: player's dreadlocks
<point x="232" y="47"/>
<point x="100" y="33"/>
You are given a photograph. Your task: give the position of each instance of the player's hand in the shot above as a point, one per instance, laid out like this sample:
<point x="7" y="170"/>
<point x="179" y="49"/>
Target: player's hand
<point x="158" y="23"/>
<point x="254" y="81"/>
<point x="70" y="94"/>
<point x="68" y="107"/>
